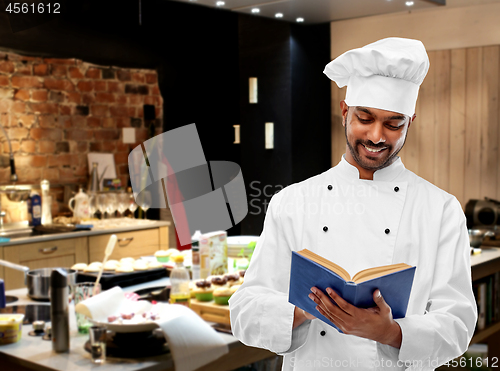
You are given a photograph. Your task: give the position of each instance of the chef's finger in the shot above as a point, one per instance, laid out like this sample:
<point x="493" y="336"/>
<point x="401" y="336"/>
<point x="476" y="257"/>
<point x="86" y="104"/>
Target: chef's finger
<point x="327" y="304"/>
<point x="379" y="300"/>
<point x="341" y="303"/>
<point x="335" y="320"/>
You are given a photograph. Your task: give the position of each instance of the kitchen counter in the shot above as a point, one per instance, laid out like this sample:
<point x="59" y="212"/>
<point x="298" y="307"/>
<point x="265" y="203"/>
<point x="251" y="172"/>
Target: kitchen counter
<point x="105" y="226"/>
<point x="33" y="353"/>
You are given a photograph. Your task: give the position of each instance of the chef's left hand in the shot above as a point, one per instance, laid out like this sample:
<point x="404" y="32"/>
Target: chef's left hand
<point x="374" y="323"/>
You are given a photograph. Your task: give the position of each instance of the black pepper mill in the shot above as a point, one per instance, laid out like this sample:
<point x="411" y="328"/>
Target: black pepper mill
<point x="59" y="294"/>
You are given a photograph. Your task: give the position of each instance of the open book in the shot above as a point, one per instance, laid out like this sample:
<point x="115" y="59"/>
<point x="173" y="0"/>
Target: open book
<point x="309" y="269"/>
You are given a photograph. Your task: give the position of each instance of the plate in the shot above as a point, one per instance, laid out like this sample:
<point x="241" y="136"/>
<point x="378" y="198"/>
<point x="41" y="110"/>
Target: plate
<point x="138" y="307"/>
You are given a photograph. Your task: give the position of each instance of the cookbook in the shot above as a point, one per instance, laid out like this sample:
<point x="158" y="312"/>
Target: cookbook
<point x="309" y="269"/>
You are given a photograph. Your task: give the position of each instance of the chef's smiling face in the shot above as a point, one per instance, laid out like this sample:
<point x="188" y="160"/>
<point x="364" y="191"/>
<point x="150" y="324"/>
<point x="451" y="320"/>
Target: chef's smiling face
<point x="374" y="137"/>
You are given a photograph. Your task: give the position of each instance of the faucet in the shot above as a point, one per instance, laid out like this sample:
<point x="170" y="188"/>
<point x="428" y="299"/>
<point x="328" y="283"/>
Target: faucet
<point x="13" y="175"/>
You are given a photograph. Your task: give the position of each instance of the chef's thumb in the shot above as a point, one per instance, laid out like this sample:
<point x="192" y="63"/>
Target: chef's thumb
<point x="379" y="300"/>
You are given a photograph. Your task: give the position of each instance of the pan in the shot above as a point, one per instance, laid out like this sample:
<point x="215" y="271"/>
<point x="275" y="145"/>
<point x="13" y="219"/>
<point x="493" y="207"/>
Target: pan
<point x="38" y="280"/>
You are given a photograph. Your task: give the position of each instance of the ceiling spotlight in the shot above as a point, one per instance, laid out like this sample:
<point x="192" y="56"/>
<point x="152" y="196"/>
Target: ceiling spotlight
<point x="279" y="15"/>
<point x="300" y="19"/>
<point x="255" y="10"/>
<point x="409" y="3"/>
<point x="220" y="3"/>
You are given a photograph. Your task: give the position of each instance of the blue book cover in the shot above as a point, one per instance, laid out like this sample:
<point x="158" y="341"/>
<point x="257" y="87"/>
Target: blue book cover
<point x="306" y="273"/>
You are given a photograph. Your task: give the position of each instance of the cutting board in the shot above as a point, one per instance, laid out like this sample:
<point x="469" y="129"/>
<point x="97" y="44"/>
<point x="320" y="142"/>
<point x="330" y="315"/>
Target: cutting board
<point x="211" y="312"/>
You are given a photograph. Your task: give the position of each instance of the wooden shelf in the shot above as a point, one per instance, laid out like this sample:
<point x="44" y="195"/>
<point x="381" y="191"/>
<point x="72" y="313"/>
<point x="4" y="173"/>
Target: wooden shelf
<point x="486" y="333"/>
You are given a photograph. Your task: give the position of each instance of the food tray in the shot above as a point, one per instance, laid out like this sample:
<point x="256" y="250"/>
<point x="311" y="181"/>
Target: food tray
<point x="112" y="279"/>
<point x="211" y="312"/>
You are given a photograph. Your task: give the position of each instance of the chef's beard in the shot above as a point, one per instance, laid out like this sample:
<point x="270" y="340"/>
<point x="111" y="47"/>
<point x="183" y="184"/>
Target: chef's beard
<point x="375" y="164"/>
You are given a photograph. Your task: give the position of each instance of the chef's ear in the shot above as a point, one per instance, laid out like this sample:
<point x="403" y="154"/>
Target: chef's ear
<point x="412" y="118"/>
<point x="344" y="109"/>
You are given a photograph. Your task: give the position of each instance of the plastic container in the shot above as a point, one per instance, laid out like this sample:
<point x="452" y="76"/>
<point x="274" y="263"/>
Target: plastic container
<point x="236" y="243"/>
<point x="195" y="249"/>
<point x="11" y="326"/>
<point x="179" y="281"/>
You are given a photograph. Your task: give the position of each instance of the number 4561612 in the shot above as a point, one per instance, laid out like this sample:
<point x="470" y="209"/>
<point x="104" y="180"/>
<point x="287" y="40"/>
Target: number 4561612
<point x="33" y="8"/>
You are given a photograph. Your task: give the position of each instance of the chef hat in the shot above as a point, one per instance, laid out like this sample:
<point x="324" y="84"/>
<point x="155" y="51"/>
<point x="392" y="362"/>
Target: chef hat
<point x="385" y="74"/>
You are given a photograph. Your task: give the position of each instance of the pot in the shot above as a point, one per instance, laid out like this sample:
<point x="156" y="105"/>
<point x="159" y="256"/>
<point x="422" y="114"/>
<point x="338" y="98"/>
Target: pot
<point x="477" y="236"/>
<point x="38" y="280"/>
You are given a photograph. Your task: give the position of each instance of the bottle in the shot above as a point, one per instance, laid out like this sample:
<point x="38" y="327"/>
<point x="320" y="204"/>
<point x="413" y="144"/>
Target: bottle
<point x="46" y="203"/>
<point x="34" y="209"/>
<point x="59" y="310"/>
<point x="195" y="250"/>
<point x="179" y="283"/>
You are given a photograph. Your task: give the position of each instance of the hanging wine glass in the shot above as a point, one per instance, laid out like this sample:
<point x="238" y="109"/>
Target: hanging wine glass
<point x="92" y="204"/>
<point x="144" y="201"/>
<point x="112" y="204"/>
<point x="102" y="200"/>
<point x="132" y="206"/>
<point x="123" y="201"/>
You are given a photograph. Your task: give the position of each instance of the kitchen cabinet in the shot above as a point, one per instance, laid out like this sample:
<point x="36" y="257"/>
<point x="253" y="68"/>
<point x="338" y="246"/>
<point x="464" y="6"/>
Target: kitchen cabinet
<point x="135" y="239"/>
<point x="1" y="268"/>
<point x="46" y="254"/>
<point x="129" y="244"/>
<point x="484" y="265"/>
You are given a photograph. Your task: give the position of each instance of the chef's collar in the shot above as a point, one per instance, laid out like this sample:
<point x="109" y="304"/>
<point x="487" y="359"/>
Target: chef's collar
<point x="386" y="174"/>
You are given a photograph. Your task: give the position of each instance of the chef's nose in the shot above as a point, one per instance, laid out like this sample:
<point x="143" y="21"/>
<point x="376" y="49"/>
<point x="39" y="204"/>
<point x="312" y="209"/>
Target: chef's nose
<point x="376" y="133"/>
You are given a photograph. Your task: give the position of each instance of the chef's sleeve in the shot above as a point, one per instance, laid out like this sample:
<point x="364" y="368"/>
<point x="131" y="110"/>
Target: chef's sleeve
<point x="444" y="333"/>
<point x="261" y="315"/>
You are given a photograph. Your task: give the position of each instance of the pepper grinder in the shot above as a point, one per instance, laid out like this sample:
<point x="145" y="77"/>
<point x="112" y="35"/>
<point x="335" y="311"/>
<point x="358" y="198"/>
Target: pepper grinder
<point x="59" y="310"/>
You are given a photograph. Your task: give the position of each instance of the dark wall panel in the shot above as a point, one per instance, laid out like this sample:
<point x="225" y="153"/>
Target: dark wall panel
<point x="311" y="139"/>
<point x="265" y="54"/>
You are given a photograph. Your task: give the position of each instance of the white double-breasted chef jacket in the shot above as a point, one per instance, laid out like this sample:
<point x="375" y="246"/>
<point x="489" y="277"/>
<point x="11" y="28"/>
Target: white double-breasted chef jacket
<point x="397" y="217"/>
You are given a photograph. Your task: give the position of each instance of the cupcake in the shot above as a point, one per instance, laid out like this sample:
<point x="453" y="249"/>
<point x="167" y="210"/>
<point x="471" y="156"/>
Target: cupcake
<point x="111" y="265"/>
<point x="127" y="261"/>
<point x="242" y="275"/>
<point x="232" y="279"/>
<point x="222" y="295"/>
<point x="234" y="288"/>
<point x="203" y="290"/>
<point x="162" y="256"/>
<point x="140" y="265"/>
<point x="79" y="266"/>
<point x="218" y="281"/>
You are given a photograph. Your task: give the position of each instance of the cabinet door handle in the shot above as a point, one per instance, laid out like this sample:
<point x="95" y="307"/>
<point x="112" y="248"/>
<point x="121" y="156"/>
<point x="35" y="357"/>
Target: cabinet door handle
<point x="125" y="240"/>
<point x="48" y="250"/>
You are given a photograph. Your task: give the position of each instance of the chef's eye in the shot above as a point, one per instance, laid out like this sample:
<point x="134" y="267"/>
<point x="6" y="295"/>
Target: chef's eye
<point x="364" y="120"/>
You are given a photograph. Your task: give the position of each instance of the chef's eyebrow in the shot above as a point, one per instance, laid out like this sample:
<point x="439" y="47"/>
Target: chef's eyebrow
<point x="367" y="111"/>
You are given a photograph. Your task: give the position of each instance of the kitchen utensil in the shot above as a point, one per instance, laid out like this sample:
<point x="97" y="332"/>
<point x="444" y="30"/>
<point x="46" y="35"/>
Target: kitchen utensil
<point x="161" y="293"/>
<point x="109" y="250"/>
<point x="94" y="184"/>
<point x="97" y="341"/>
<point x="482" y="214"/>
<point x="81" y="209"/>
<point x="38" y="280"/>
<point x="59" y="317"/>
<point x="476" y="236"/>
<point x="84" y="291"/>
<point x="110" y="280"/>
<point x="129" y="307"/>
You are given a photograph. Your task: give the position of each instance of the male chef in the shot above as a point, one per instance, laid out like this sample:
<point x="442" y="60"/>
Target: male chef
<point x="367" y="211"/>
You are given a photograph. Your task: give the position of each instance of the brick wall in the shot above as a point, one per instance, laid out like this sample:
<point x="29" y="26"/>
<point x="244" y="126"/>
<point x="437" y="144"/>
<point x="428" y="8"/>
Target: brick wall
<point x="55" y="111"/>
